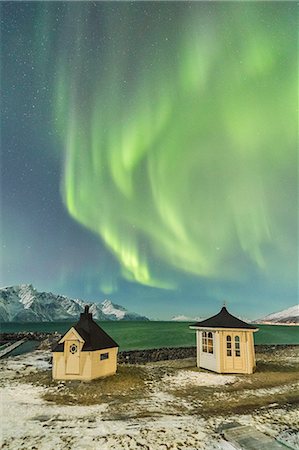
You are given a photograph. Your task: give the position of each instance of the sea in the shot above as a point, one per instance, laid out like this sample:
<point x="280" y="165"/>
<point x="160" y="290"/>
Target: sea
<point x="144" y="335"/>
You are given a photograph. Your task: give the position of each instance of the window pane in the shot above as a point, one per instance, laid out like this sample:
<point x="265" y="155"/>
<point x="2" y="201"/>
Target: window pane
<point x="237" y="345"/>
<point x="228" y="345"/>
<point x="104" y="356"/>
<point x="204" y="342"/>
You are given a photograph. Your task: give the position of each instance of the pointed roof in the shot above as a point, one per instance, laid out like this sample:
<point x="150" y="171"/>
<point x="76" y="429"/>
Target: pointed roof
<point x="223" y="320"/>
<point x="93" y="335"/>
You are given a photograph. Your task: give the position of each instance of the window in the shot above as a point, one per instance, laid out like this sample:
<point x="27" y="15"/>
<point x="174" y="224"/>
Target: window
<point x="210" y="342"/>
<point x="73" y="349"/>
<point x="207" y="342"/>
<point x="237" y="346"/>
<point x="228" y="345"/>
<point x="104" y="356"/>
<point x="204" y="342"/>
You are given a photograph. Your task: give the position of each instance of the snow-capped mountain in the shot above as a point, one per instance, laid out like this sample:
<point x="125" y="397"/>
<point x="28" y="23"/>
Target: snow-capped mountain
<point x="25" y="304"/>
<point x="183" y="318"/>
<point x="287" y="316"/>
<point x="109" y="309"/>
<point x="117" y="312"/>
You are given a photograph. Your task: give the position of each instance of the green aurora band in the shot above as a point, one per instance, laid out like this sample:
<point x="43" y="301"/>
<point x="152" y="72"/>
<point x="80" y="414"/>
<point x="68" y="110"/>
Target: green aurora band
<point x="180" y="135"/>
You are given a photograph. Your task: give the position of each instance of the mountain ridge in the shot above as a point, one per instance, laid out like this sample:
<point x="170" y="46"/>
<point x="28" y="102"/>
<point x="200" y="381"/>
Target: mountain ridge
<point x="23" y="303"/>
<point x="288" y="316"/>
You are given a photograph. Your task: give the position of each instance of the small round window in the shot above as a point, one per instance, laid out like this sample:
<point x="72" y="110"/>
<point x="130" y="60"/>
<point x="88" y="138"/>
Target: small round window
<point x="73" y="348"/>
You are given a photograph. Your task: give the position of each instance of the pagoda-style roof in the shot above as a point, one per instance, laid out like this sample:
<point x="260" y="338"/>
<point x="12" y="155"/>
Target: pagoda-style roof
<point x="93" y="335"/>
<point x="223" y="320"/>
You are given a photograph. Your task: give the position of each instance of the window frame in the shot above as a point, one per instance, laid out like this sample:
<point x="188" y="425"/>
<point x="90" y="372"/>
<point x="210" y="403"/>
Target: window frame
<point x="204" y="342"/>
<point x="104" y="356"/>
<point x="237" y="347"/>
<point x="210" y="343"/>
<point x="207" y="342"/>
<point x="229" y="345"/>
<point x="73" y="348"/>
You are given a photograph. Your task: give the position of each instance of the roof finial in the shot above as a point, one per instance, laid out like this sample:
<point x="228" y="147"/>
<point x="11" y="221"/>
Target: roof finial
<point x="86" y="309"/>
<point x="224" y="303"/>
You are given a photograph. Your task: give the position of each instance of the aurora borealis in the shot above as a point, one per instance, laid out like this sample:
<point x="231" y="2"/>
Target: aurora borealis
<point x="171" y="131"/>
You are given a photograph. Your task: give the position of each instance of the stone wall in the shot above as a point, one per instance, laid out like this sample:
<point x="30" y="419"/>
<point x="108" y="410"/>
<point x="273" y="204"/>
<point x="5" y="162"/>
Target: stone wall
<point x="159" y="354"/>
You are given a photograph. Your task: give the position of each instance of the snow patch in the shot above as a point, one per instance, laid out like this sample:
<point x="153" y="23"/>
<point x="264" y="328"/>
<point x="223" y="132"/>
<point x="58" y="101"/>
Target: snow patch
<point x="26" y="294"/>
<point x="186" y="378"/>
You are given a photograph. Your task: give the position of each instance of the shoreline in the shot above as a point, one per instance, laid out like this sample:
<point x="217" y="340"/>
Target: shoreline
<point x="135" y="356"/>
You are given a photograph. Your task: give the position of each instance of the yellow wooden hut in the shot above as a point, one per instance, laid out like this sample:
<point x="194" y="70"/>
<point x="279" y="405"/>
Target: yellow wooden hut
<point x="225" y="344"/>
<point x="85" y="352"/>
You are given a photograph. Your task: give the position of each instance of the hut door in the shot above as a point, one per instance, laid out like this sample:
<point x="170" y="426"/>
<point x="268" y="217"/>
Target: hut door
<point x="72" y="364"/>
<point x="233" y="356"/>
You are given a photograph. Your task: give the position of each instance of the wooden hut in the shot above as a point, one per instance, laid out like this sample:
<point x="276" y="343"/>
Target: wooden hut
<point x="225" y="344"/>
<point x="85" y="352"/>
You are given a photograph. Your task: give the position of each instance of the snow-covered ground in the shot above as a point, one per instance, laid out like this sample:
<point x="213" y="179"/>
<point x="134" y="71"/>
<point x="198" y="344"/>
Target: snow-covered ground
<point x="187" y="378"/>
<point x="29" y="422"/>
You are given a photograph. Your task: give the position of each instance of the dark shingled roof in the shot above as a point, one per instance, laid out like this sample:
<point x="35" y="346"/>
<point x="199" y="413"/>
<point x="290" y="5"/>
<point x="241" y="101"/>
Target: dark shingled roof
<point x="223" y="320"/>
<point x="94" y="336"/>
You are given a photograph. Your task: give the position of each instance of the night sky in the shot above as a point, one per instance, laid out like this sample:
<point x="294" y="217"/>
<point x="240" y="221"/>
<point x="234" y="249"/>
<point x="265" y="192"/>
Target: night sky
<point x="149" y="153"/>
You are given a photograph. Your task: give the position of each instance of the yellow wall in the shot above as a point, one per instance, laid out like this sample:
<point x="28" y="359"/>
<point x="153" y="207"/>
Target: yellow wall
<point x="90" y="364"/>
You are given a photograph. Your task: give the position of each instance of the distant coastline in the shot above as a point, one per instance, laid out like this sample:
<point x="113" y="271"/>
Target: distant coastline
<point x="292" y="324"/>
<point x="144" y="335"/>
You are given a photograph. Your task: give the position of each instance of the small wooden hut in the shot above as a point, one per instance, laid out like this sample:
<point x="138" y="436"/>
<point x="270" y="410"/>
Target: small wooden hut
<point x="85" y="352"/>
<point x="225" y="344"/>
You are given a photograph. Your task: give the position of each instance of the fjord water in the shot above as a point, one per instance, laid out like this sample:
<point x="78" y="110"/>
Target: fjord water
<point x="144" y="335"/>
